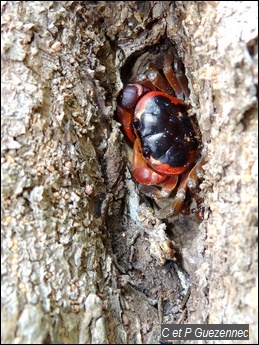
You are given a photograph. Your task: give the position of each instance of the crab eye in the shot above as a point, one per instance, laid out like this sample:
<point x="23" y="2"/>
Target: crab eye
<point x="145" y="152"/>
<point x="136" y="123"/>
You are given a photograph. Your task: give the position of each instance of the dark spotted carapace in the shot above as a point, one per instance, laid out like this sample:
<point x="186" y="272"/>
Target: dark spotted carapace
<point x="165" y="131"/>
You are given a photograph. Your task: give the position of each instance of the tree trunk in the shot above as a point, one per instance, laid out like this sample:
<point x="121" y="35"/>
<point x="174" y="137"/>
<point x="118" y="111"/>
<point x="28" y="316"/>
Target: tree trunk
<point x="84" y="258"/>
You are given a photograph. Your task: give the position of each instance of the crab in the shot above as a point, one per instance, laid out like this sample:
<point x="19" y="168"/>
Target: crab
<point x="153" y="111"/>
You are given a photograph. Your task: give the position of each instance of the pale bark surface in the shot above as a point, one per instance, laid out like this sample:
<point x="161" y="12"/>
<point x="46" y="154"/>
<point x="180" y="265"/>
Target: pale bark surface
<point x="84" y="259"/>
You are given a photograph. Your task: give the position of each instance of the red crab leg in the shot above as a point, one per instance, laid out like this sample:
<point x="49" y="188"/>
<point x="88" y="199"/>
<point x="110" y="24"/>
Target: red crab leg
<point x="177" y="203"/>
<point x="196" y="174"/>
<point x="156" y="78"/>
<point x="168" y="186"/>
<point x="143" y="80"/>
<point x="189" y="180"/>
<point x="142" y="172"/>
<point x="175" y="78"/>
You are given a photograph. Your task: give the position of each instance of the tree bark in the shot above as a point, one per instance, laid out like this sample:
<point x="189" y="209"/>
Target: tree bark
<point x="84" y="258"/>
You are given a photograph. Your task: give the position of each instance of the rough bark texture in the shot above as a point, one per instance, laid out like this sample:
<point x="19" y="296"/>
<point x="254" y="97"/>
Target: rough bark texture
<point x="84" y="259"/>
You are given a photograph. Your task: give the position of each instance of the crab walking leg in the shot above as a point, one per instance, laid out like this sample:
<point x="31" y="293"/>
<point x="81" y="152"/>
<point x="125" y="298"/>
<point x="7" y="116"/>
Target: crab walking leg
<point x="168" y="186"/>
<point x="142" y="172"/>
<point x="153" y="192"/>
<point x="195" y="174"/>
<point x="144" y="81"/>
<point x="177" y="203"/>
<point x="175" y="77"/>
<point x="156" y="78"/>
<point x="170" y="75"/>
